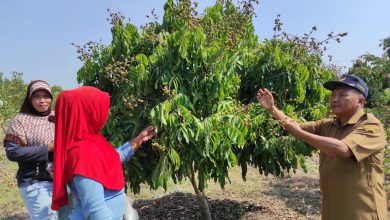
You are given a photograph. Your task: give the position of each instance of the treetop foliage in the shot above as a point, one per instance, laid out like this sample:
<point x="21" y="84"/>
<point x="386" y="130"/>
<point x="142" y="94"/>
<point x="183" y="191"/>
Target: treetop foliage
<point x="194" y="77"/>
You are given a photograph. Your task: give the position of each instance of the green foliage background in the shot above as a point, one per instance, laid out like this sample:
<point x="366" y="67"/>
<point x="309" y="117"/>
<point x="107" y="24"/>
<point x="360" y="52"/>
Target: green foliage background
<point x="376" y="72"/>
<point x="12" y="93"/>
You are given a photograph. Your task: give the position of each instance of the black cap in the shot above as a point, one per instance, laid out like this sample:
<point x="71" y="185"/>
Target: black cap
<point x="350" y="81"/>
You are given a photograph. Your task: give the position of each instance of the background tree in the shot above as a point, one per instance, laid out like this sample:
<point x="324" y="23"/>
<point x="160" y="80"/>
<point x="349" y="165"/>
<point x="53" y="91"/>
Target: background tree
<point x="12" y="92"/>
<point x="386" y="46"/>
<point x="194" y="77"/>
<point x="56" y="91"/>
<point x="376" y="72"/>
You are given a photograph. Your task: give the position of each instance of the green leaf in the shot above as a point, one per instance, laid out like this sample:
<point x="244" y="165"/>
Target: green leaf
<point x="175" y="158"/>
<point x="141" y="59"/>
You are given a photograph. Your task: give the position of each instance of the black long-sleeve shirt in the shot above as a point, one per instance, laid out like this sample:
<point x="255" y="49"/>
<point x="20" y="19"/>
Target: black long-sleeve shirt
<point x="32" y="162"/>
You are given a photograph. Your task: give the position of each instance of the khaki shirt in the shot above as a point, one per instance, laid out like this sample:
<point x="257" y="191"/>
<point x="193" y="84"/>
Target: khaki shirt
<point x="352" y="188"/>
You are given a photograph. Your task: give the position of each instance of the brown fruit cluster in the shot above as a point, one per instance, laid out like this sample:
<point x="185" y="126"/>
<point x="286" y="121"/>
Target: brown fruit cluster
<point x="117" y="73"/>
<point x="170" y="93"/>
<point x="159" y="147"/>
<point x="131" y="102"/>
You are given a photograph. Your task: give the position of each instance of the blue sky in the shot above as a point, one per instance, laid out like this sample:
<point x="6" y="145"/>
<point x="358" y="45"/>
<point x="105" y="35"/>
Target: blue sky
<point x="36" y="36"/>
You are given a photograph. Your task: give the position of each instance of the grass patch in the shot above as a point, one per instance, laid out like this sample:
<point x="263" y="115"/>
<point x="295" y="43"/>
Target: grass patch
<point x="10" y="200"/>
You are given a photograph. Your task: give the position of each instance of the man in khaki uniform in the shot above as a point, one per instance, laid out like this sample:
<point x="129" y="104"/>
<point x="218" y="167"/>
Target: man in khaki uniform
<point x="351" y="151"/>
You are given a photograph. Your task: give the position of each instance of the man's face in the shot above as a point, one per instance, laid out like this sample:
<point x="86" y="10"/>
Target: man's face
<point x="345" y="101"/>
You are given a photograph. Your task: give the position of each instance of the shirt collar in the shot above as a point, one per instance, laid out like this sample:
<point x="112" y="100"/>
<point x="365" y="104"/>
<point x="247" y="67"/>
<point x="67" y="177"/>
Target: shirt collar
<point x="353" y="120"/>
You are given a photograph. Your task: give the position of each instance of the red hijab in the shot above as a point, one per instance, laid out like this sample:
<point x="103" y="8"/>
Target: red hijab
<point x="80" y="148"/>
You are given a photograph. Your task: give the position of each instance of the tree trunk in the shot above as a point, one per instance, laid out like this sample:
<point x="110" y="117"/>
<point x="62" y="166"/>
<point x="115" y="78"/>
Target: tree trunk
<point x="201" y="198"/>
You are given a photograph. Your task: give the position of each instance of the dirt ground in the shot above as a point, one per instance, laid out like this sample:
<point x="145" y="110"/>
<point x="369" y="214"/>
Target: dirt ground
<point x="292" y="197"/>
<point x="259" y="198"/>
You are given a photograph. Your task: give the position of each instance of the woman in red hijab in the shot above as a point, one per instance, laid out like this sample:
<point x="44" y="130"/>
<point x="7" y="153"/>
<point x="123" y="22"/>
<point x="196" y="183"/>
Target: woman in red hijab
<point x="85" y="160"/>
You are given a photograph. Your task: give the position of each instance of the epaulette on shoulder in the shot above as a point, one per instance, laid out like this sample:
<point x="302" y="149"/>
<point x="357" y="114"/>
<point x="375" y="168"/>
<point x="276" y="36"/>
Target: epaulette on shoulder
<point x="371" y="117"/>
